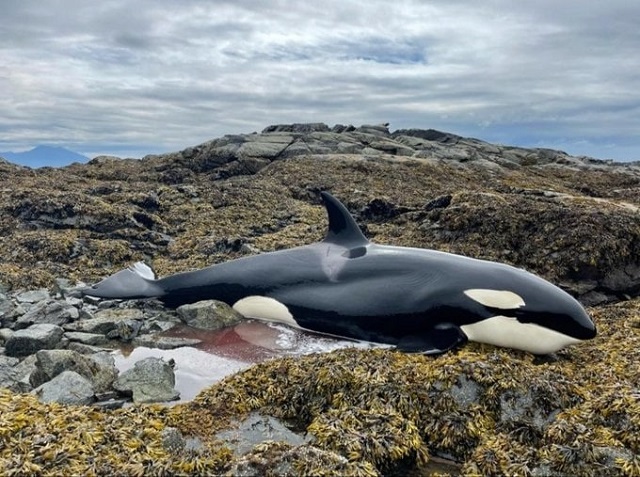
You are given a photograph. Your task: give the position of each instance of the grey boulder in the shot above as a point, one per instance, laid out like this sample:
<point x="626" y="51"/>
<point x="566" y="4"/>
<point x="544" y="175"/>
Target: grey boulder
<point x="209" y="315"/>
<point x="99" y="369"/>
<point x="32" y="339"/>
<point x="150" y="380"/>
<point x="48" y="311"/>
<point x="67" y="387"/>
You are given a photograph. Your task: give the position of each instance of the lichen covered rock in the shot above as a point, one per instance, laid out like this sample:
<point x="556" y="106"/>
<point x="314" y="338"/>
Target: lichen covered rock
<point x="571" y="220"/>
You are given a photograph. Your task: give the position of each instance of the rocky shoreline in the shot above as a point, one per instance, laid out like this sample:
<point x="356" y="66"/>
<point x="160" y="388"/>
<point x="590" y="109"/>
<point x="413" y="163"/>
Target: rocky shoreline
<point x="479" y="410"/>
<point x="59" y="346"/>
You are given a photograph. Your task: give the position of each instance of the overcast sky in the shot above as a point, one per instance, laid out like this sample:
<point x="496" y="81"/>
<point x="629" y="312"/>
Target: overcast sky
<point x="130" y="78"/>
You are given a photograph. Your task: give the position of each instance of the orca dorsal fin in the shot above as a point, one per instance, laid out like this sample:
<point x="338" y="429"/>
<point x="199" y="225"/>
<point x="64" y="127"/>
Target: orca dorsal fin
<point x="343" y="230"/>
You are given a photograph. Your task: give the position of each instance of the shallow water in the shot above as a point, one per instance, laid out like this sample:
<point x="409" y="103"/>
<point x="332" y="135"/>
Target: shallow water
<point x="224" y="352"/>
<point x="230" y="350"/>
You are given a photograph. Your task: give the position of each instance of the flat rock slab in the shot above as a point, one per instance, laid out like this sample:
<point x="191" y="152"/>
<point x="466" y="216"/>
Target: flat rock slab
<point x="33" y="296"/>
<point x="93" y="339"/>
<point x="165" y="342"/>
<point x="106" y="321"/>
<point x="32" y="339"/>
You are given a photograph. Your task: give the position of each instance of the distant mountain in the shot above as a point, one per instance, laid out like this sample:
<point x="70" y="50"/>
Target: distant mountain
<point x="42" y="156"/>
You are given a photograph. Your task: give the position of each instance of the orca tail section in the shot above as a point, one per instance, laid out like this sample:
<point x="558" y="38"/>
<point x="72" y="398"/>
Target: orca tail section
<point x="137" y="281"/>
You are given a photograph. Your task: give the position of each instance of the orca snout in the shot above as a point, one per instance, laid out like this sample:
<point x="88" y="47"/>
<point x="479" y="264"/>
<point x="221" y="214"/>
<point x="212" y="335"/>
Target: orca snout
<point x="585" y="328"/>
<point x="540" y="320"/>
<point x="561" y="313"/>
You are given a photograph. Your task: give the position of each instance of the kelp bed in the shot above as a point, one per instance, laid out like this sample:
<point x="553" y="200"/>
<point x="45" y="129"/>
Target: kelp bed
<point x="369" y="412"/>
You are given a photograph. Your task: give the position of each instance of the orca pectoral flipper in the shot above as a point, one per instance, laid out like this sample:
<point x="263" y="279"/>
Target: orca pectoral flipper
<point x="437" y="340"/>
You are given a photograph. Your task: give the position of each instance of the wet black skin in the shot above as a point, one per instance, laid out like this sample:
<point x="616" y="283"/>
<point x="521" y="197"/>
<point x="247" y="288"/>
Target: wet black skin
<point x="347" y="286"/>
<point x="380" y="293"/>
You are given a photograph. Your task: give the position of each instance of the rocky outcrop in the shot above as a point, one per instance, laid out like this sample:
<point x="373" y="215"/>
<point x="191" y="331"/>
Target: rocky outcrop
<point x="480" y="410"/>
<point x="571" y="219"/>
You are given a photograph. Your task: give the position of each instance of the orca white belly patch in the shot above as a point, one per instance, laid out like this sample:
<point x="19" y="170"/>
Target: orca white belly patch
<point x="265" y="308"/>
<point x="509" y="332"/>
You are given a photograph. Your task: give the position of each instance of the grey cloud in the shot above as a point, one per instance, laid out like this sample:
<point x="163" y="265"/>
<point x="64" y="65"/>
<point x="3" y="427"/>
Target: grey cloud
<point x="169" y="74"/>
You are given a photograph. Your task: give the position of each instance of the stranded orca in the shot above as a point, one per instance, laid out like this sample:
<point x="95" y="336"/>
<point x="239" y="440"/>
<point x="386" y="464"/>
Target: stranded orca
<point x="419" y="300"/>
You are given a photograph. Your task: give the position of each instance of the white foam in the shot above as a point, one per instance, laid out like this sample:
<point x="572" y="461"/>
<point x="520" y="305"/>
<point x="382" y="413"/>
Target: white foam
<point x="287" y="338"/>
<point x="295" y="342"/>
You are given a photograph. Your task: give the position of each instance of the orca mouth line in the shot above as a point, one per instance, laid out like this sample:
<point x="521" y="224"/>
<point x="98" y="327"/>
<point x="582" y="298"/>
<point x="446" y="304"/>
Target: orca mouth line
<point x="575" y="328"/>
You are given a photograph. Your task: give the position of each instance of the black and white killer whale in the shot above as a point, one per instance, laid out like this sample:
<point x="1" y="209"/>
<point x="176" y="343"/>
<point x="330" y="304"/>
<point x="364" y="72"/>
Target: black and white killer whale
<point x="419" y="300"/>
